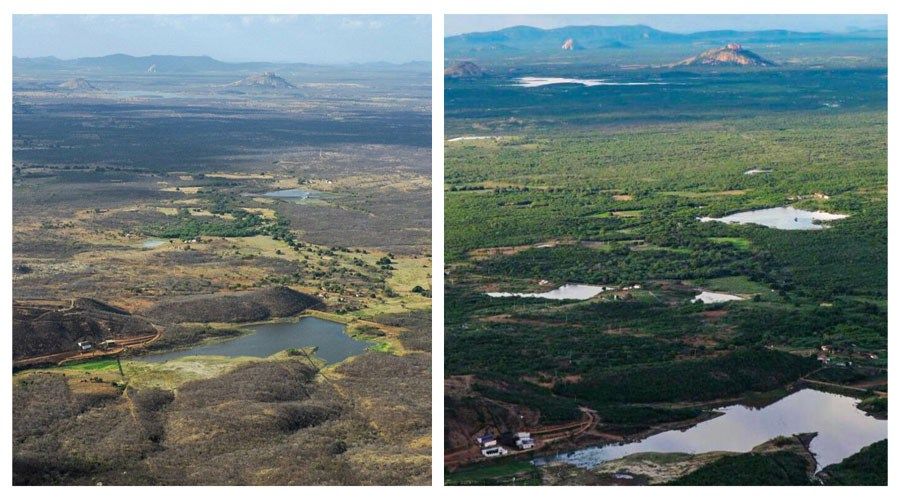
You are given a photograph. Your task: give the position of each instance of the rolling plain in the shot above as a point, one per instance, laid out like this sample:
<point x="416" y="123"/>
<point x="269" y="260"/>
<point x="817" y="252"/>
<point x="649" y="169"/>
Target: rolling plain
<point x="166" y="203"/>
<point x="603" y="162"/>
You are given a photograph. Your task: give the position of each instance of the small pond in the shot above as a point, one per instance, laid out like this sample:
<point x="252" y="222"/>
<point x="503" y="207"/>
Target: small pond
<point x="715" y="297"/>
<point x="565" y="292"/>
<point x="289" y="194"/>
<point x="843" y="429"/>
<point x="152" y="243"/>
<point x="788" y="218"/>
<point x="265" y="339"/>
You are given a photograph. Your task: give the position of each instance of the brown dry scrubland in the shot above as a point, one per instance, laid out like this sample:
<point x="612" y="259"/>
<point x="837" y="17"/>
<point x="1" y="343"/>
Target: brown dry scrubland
<point x="82" y="272"/>
<point x="282" y="420"/>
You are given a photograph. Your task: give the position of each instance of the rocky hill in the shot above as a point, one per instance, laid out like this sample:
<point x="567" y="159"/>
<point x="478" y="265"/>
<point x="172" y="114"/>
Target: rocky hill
<point x="733" y="54"/>
<point x="46" y="327"/>
<point x="242" y="307"/>
<point x="76" y="84"/>
<point x="267" y="80"/>
<point x="463" y="69"/>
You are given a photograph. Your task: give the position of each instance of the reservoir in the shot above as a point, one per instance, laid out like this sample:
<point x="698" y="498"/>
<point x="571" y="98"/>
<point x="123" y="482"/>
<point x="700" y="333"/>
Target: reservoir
<point x="289" y="194"/>
<point x="715" y="297"/>
<point x="265" y="339"/>
<point x="565" y="292"/>
<point x="842" y="429"/>
<point x="788" y="218"/>
<point x="540" y="81"/>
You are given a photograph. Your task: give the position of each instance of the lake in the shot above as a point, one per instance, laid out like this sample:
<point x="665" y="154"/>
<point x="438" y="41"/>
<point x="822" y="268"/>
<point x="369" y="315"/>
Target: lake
<point x="842" y="428"/>
<point x="540" y="81"/>
<point x="565" y="292"/>
<point x="265" y="339"/>
<point x="788" y="218"/>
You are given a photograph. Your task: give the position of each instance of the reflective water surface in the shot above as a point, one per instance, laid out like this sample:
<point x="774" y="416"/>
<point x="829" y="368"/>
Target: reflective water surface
<point x="788" y="218"/>
<point x="565" y="292"/>
<point x="268" y="338"/>
<point x="715" y="297"/>
<point x="540" y="81"/>
<point x="842" y="429"/>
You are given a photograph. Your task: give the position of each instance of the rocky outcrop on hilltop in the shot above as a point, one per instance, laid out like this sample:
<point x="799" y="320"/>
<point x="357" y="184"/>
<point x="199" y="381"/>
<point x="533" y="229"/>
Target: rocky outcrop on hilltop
<point x="267" y="80"/>
<point x="732" y="54"/>
<point x="463" y="69"/>
<point x="76" y="84"/>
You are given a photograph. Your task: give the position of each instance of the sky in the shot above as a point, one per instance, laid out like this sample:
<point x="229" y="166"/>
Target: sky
<point x="318" y="39"/>
<point x="458" y="24"/>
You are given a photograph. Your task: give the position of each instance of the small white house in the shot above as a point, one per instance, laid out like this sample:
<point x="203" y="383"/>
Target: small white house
<point x="486" y="441"/>
<point x="494" y="451"/>
<point x="86" y="345"/>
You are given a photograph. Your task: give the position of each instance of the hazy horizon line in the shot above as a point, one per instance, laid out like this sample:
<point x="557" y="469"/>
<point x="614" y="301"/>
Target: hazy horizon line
<point x="834" y="32"/>
<point x="227" y="61"/>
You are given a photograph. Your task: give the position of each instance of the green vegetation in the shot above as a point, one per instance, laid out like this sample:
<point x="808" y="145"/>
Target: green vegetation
<point x="93" y="365"/>
<point x="509" y="473"/>
<point x="605" y="186"/>
<point x="185" y="226"/>
<point x="736" y="373"/>
<point x="782" y="468"/>
<point x="868" y="467"/>
<point x="877" y="406"/>
<point x="552" y="409"/>
<point x="636" y="418"/>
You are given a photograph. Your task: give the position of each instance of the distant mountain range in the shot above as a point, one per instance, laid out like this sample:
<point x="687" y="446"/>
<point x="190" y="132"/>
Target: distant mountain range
<point x="166" y="64"/>
<point x="527" y="39"/>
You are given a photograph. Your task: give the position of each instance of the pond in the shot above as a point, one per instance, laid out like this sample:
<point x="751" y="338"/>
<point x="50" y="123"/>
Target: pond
<point x="565" y="292"/>
<point x="265" y="339"/>
<point x="843" y="429"/>
<point x="289" y="194"/>
<point x="475" y="138"/>
<point x="152" y="243"/>
<point x="788" y="218"/>
<point x="715" y="297"/>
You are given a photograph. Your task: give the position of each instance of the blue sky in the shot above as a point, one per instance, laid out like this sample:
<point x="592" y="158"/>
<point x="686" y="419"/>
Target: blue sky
<point x="454" y="25"/>
<point x="325" y="39"/>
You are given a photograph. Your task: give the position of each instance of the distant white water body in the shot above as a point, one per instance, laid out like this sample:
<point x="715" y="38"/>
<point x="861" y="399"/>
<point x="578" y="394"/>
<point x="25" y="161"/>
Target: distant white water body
<point x="565" y="292"/>
<point x="787" y="218"/>
<point x="474" y="138"/>
<point x="540" y="81"/>
<point x="715" y="297"/>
